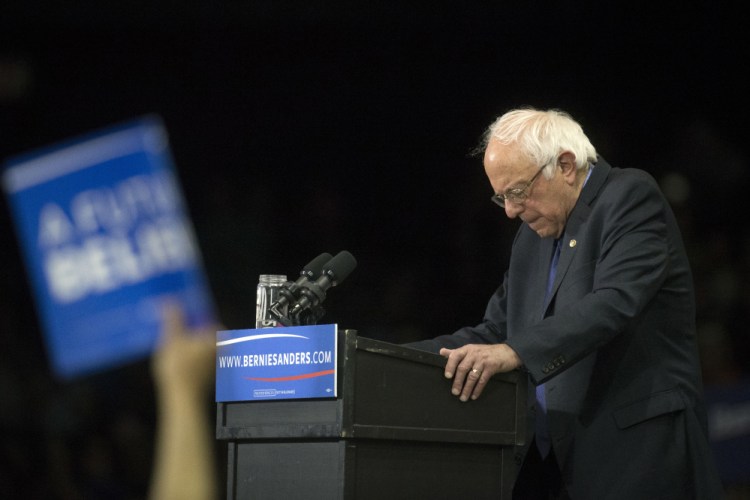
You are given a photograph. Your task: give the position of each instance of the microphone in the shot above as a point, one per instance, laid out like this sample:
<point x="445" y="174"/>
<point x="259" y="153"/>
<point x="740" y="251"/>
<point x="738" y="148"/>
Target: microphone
<point x="289" y="291"/>
<point x="334" y="272"/>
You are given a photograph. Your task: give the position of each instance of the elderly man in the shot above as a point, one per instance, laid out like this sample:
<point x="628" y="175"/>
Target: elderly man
<point x="597" y="307"/>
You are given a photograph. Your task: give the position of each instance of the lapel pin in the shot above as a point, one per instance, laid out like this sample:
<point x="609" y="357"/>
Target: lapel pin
<point x="572" y="243"/>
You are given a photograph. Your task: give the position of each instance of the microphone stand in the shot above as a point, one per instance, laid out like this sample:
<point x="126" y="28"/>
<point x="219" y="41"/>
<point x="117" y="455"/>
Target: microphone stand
<point x="304" y="317"/>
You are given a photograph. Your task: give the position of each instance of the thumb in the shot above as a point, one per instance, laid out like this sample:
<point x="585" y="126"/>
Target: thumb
<point x="173" y="321"/>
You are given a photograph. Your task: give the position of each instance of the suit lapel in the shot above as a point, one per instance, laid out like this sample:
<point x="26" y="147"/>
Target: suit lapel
<point x="567" y="251"/>
<point x="574" y="229"/>
<point x="545" y="257"/>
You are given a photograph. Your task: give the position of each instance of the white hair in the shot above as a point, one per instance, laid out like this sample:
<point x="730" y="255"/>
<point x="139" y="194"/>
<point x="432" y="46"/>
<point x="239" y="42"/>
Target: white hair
<point x="542" y="136"/>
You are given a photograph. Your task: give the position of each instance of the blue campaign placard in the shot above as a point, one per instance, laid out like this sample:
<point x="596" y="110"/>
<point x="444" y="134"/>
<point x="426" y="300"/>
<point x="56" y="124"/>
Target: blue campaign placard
<point x="106" y="239"/>
<point x="276" y="363"/>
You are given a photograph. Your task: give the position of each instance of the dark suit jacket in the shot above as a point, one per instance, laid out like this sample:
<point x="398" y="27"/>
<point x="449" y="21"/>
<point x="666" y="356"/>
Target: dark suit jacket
<point x="614" y="344"/>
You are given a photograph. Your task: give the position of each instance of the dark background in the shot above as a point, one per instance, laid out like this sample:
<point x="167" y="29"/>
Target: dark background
<point x="303" y="127"/>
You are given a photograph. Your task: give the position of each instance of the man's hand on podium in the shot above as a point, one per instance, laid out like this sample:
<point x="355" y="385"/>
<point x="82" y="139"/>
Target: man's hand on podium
<point x="471" y="367"/>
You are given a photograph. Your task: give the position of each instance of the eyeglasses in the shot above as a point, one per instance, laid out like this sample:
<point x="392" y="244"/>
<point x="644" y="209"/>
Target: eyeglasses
<point x="516" y="194"/>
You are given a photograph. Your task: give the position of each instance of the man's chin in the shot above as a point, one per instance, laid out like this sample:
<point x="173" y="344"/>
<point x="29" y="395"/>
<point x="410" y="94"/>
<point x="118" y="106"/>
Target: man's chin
<point x="538" y="229"/>
<point x="543" y="231"/>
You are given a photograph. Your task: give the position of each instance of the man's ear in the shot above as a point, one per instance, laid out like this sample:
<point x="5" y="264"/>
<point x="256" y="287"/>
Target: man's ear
<point x="567" y="162"/>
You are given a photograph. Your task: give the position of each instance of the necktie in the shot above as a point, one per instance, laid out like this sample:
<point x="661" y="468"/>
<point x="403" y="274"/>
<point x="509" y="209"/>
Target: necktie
<point x="543" y="442"/>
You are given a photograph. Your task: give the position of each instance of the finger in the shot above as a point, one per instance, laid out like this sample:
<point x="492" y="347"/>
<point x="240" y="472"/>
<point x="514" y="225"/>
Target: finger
<point x="473" y="377"/>
<point x="209" y="330"/>
<point x="450" y="365"/>
<point x="482" y="379"/>
<point x="461" y="377"/>
<point x="173" y="320"/>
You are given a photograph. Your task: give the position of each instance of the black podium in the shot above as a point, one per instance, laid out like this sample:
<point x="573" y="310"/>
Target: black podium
<point x="394" y="431"/>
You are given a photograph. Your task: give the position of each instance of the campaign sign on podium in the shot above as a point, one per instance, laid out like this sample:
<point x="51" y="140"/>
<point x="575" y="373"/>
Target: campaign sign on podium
<point x="106" y="239"/>
<point x="296" y="362"/>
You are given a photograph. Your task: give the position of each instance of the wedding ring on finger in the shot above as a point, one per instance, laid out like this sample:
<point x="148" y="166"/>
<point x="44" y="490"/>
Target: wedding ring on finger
<point x="475" y="371"/>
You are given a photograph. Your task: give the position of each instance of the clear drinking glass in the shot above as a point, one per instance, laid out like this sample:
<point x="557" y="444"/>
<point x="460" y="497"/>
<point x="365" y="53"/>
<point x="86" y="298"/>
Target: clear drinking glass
<point x="268" y="292"/>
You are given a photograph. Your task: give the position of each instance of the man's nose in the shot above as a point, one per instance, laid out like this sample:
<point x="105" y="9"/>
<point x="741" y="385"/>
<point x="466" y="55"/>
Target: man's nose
<point x="512" y="209"/>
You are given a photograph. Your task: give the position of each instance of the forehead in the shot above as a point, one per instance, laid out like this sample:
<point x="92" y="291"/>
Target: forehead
<point x="506" y="164"/>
